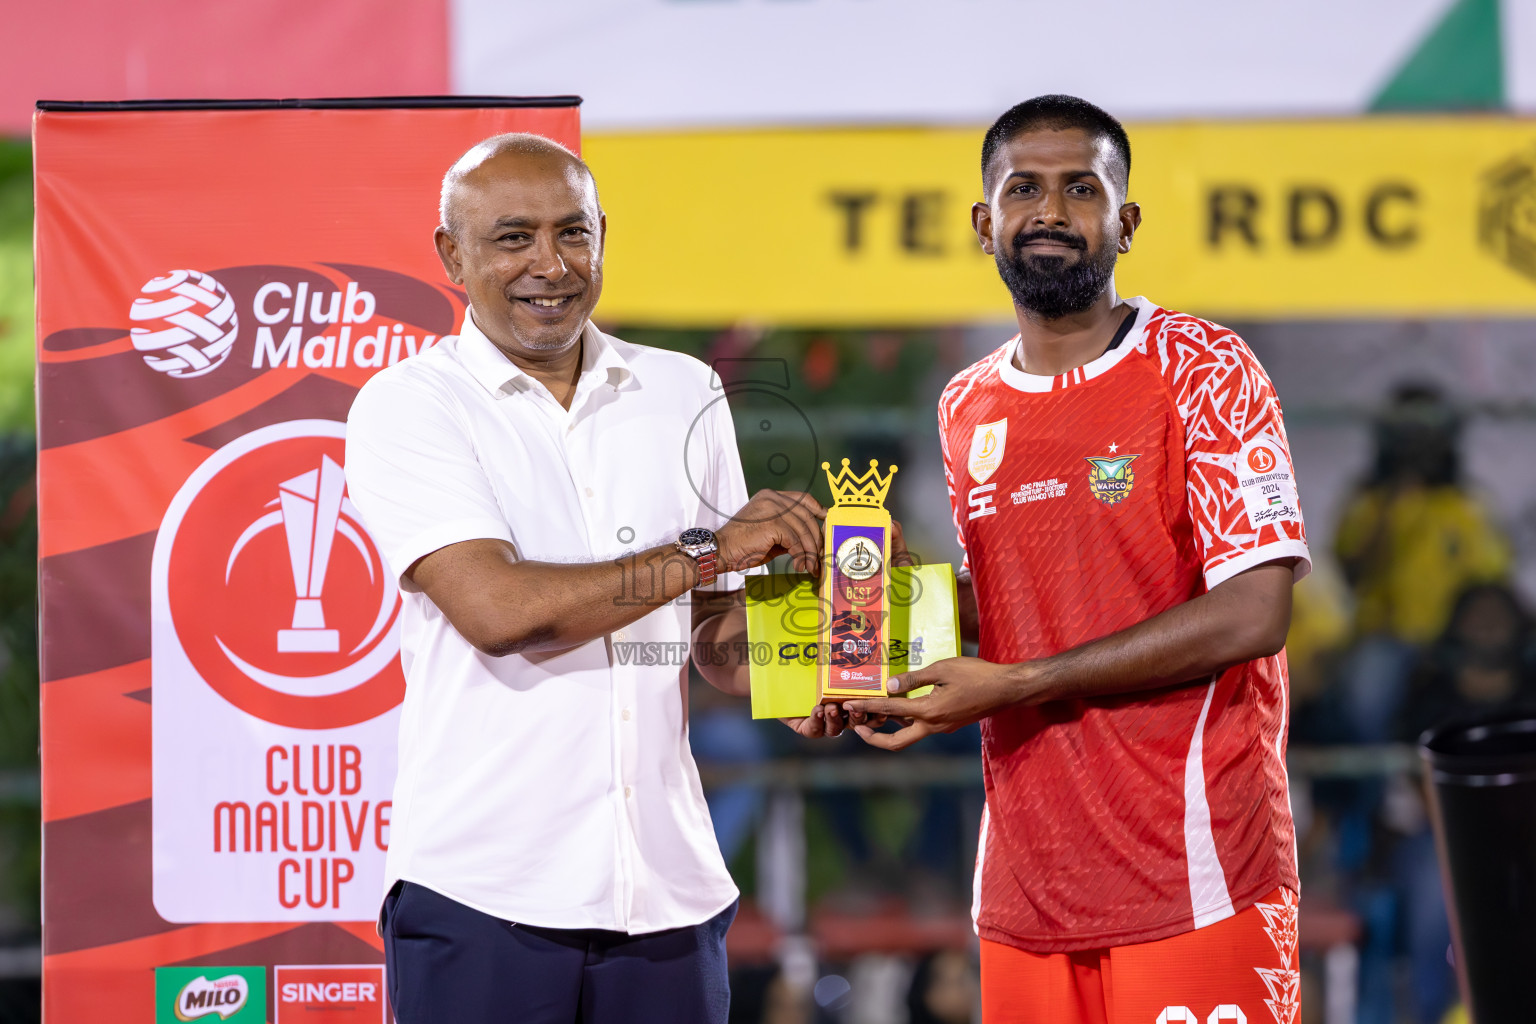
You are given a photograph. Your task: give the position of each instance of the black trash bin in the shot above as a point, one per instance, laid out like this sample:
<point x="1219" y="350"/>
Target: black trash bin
<point x="1482" y="795"/>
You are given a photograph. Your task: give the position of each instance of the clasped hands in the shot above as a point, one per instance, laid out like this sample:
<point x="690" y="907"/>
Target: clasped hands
<point x="965" y="690"/>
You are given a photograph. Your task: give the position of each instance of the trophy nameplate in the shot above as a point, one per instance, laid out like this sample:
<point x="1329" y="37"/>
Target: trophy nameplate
<point x="854" y="586"/>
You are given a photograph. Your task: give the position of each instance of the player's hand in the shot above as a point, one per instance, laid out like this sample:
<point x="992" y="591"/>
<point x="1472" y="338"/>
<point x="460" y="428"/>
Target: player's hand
<point x="824" y="720"/>
<point x="965" y="690"/>
<point x="773" y="523"/>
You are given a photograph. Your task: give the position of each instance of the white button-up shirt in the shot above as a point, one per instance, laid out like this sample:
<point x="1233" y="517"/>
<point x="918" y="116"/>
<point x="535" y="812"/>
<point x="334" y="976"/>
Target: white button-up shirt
<point x="554" y="789"/>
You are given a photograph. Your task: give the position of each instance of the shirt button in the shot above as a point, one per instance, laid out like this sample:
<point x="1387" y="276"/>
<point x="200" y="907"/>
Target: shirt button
<point x="628" y="792"/>
<point x="621" y="635"/>
<point x="625" y="714"/>
<point x="589" y="492"/>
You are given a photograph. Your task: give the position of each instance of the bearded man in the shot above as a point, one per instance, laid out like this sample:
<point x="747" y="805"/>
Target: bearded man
<point x="1123" y="490"/>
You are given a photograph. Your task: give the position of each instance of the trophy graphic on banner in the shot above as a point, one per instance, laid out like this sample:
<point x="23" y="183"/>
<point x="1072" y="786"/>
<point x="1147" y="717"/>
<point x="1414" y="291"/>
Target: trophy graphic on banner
<point x="854" y="590"/>
<point x="311" y="505"/>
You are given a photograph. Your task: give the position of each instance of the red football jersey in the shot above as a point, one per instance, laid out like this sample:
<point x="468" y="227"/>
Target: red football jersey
<point x="1087" y="503"/>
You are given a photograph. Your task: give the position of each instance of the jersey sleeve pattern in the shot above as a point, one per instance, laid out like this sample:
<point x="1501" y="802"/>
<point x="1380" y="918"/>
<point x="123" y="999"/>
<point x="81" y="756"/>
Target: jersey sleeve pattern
<point x="1240" y="478"/>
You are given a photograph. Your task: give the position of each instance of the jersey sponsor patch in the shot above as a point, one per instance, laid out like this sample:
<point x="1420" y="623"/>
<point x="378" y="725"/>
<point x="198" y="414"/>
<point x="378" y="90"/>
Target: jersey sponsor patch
<point x="987" y="443"/>
<point x="1110" y="479"/>
<point x="981" y="499"/>
<point x="1264" y="480"/>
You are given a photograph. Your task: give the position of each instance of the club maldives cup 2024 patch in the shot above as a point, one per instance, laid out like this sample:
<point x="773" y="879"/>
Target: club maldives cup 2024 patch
<point x="1266" y="483"/>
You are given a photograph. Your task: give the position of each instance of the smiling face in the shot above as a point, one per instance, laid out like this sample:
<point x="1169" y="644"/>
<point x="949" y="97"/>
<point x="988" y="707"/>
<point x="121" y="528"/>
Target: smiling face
<point x="527" y="246"/>
<point x="1055" y="219"/>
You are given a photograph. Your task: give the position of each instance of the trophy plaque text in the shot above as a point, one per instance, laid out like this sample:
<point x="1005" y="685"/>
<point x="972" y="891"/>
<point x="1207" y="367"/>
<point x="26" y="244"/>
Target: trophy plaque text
<point x="853" y="589"/>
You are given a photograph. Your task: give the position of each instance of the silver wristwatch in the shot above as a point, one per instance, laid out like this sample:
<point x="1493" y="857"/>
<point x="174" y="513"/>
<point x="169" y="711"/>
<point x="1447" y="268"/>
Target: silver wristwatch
<point x="699" y="544"/>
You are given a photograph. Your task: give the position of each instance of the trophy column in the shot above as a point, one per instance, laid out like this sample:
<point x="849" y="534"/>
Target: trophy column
<point x="311" y="505"/>
<point x="853" y="659"/>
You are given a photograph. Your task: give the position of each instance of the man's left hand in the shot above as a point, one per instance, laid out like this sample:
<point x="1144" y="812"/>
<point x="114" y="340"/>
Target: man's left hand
<point x="824" y="720"/>
<point x="832" y="720"/>
<point x="965" y="690"/>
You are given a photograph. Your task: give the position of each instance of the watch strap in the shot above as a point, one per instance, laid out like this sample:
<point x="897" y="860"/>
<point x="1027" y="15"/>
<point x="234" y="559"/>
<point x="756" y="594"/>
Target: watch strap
<point x="699" y="544"/>
<point x="707" y="568"/>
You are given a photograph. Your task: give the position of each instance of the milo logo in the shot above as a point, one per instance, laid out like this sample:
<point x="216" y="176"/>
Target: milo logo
<point x="234" y="994"/>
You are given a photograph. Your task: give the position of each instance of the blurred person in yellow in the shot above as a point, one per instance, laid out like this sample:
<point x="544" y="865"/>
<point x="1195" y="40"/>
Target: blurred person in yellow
<point x="1410" y="542"/>
<point x="1320" y="630"/>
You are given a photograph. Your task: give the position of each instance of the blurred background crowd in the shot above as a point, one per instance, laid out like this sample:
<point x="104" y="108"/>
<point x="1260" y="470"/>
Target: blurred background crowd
<point x="1412" y="421"/>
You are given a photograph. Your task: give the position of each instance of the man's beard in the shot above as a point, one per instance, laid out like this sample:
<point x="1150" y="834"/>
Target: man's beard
<point x="1049" y="286"/>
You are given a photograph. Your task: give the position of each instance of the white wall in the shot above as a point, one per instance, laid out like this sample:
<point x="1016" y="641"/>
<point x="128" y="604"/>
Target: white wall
<point x="650" y="63"/>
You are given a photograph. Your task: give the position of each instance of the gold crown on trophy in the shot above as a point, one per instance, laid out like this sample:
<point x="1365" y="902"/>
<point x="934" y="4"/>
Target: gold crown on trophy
<point x="869" y="489"/>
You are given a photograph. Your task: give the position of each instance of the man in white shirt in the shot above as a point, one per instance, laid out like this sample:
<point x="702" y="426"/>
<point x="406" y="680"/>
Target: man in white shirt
<point x="550" y="496"/>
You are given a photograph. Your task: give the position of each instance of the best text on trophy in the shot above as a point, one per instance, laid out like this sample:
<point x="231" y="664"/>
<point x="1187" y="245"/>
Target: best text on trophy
<point x="853" y="590"/>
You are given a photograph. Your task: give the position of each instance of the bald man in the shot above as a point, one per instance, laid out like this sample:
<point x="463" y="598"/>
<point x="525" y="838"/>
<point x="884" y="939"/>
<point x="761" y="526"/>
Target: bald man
<point x="565" y="512"/>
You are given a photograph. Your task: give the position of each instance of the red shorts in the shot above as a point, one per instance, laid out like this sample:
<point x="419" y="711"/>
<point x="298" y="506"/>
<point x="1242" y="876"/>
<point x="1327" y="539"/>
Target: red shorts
<point x="1241" y="970"/>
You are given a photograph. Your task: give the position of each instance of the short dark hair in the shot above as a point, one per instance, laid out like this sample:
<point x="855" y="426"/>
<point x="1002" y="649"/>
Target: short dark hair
<point x="1055" y="112"/>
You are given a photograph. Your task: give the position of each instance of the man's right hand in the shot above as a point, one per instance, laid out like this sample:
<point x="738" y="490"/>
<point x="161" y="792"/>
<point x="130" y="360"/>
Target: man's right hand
<point x="773" y="523"/>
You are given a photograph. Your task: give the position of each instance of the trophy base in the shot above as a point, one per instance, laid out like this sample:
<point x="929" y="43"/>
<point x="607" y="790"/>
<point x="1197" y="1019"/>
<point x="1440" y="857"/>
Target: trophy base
<point x="838" y="696"/>
<point x="308" y="641"/>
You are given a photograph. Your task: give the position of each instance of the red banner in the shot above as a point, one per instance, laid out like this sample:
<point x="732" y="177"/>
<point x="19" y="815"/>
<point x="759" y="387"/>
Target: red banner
<point x="220" y="663"/>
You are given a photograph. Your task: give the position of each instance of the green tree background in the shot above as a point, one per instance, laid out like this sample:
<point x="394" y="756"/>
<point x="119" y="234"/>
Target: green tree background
<point x="16" y="322"/>
<point x="20" y="829"/>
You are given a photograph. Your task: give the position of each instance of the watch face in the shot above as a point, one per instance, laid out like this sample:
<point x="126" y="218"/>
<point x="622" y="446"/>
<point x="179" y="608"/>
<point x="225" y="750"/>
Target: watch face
<point x="696" y="537"/>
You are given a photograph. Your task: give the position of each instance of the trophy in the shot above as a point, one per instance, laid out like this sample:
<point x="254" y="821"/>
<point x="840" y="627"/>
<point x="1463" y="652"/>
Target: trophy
<point x="853" y="590"/>
<point x="311" y="506"/>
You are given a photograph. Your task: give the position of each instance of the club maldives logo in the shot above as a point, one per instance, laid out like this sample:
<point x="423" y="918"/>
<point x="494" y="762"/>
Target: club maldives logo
<point x="1261" y="459"/>
<point x="234" y="994"/>
<point x="184" y="322"/>
<point x="278" y="595"/>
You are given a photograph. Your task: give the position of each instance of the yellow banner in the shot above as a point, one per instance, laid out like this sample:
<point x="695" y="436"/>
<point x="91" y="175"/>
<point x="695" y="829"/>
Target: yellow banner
<point x="1365" y="217"/>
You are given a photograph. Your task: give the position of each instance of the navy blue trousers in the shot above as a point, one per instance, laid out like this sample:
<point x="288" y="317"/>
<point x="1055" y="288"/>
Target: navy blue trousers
<point x="449" y="964"/>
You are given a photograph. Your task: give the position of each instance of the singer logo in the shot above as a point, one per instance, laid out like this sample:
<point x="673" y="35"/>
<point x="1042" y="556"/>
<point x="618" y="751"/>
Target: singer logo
<point x="278" y="596"/>
<point x="330" y="994"/>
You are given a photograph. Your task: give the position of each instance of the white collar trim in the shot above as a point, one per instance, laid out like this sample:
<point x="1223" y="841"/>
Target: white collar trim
<point x="1016" y="378"/>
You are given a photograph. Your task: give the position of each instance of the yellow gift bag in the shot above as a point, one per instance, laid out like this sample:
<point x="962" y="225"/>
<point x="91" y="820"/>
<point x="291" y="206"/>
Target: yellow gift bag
<point x="786" y="628"/>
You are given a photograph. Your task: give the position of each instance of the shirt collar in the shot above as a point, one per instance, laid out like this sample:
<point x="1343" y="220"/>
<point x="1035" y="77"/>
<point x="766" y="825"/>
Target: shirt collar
<point x="601" y="362"/>
<point x="1022" y="381"/>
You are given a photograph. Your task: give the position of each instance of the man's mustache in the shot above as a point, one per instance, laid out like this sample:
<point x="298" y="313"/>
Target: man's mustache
<point x="1023" y="238"/>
